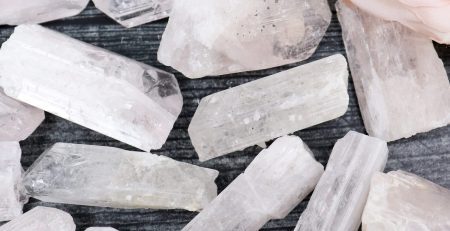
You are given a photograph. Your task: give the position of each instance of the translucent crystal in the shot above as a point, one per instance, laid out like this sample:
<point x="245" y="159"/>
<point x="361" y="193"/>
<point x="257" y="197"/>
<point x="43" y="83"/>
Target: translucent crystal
<point x="270" y="107"/>
<point x="339" y="198"/>
<point x="130" y="13"/>
<point x="112" y="177"/>
<point x="111" y="94"/>
<point x="275" y="182"/>
<point x="205" y="37"/>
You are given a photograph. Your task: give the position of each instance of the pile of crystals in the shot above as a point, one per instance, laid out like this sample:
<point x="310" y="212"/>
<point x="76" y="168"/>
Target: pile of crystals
<point x="401" y="85"/>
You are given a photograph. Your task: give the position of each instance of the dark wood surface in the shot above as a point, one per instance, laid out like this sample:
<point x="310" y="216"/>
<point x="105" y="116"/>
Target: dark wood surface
<point x="426" y="154"/>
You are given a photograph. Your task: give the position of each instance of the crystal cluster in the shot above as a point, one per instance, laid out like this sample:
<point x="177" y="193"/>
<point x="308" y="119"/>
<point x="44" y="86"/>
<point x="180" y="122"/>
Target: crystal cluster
<point x="205" y="37"/>
<point x="401" y="84"/>
<point x="279" y="178"/>
<point x="339" y="198"/>
<point x="112" y="177"/>
<point x="270" y="107"/>
<point x="134" y="13"/>
<point x="402" y="201"/>
<point x="119" y="97"/>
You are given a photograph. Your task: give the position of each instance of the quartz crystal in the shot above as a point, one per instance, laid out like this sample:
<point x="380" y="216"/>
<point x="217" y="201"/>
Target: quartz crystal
<point x="100" y="229"/>
<point x="402" y="201"/>
<point x="277" y="180"/>
<point x="17" y="120"/>
<point x="112" y="177"/>
<point x="136" y="12"/>
<point x="401" y="84"/>
<point x="270" y="107"/>
<point x="339" y="198"/>
<point x="11" y="190"/>
<point x="15" y="12"/>
<point x="41" y="219"/>
<point x="119" y="97"/>
<point x="205" y="37"/>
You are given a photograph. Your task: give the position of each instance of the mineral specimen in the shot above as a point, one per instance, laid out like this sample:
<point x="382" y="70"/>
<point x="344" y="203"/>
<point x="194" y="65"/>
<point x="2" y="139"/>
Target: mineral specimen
<point x="339" y="198"/>
<point x="401" y="84"/>
<point x="11" y="199"/>
<point x="112" y="177"/>
<point x="430" y="17"/>
<point x="277" y="180"/>
<point x="41" y="219"/>
<point x="100" y="229"/>
<point x="136" y="12"/>
<point x="270" y="107"/>
<point x="205" y="37"/>
<point x="403" y="201"/>
<point x="38" y="11"/>
<point x="119" y="97"/>
<point x="17" y="120"/>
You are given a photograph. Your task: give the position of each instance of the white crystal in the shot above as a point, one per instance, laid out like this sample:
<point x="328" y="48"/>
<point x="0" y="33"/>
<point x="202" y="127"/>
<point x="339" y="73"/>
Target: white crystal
<point x="277" y="180"/>
<point x="270" y="107"/>
<point x="41" y="219"/>
<point x="17" y="120"/>
<point x="11" y="190"/>
<point x="101" y="229"/>
<point x="339" y="198"/>
<point x="17" y="12"/>
<point x="402" y="201"/>
<point x="119" y="97"/>
<point x="205" y="37"/>
<point x="112" y="177"/>
<point x="401" y="84"/>
<point x="134" y="13"/>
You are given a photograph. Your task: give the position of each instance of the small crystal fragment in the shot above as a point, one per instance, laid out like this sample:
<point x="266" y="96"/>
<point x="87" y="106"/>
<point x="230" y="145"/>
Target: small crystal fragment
<point x="38" y="11"/>
<point x="112" y="177"/>
<point x="101" y="229"/>
<point x="205" y="37"/>
<point x="135" y="13"/>
<point x="401" y="84"/>
<point x="41" y="219"/>
<point x="402" y="201"/>
<point x="339" y="198"/>
<point x="270" y="107"/>
<point x="111" y="94"/>
<point x="275" y="182"/>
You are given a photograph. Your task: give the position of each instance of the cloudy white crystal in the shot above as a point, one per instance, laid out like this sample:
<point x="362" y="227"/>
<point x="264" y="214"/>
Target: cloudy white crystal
<point x="111" y="177"/>
<point x="270" y="107"/>
<point x="339" y="198"/>
<point x="205" y="37"/>
<point x="111" y="94"/>
<point x="279" y="178"/>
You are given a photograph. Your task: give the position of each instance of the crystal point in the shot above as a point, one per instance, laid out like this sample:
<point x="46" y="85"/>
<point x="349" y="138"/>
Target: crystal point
<point x="112" y="177"/>
<point x="270" y="107"/>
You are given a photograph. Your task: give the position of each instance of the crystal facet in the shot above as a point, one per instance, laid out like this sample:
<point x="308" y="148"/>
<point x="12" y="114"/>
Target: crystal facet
<point x="119" y="97"/>
<point x="339" y="198"/>
<point x="401" y="84"/>
<point x="270" y="107"/>
<point x="205" y="37"/>
<point x="41" y="219"/>
<point x="17" y="120"/>
<point x="277" y="180"/>
<point x="112" y="177"/>
<point x="101" y="229"/>
<point x="134" y="13"/>
<point x="403" y="201"/>
<point x="38" y="11"/>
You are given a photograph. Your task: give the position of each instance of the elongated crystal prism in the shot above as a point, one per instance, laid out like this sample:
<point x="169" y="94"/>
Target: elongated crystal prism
<point x="270" y="107"/>
<point x="111" y="94"/>
<point x="401" y="84"/>
<point x="41" y="219"/>
<point x="339" y="198"/>
<point x="18" y="12"/>
<point x="136" y="12"/>
<point x="403" y="201"/>
<point x="205" y="37"/>
<point x="279" y="178"/>
<point x="112" y="177"/>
